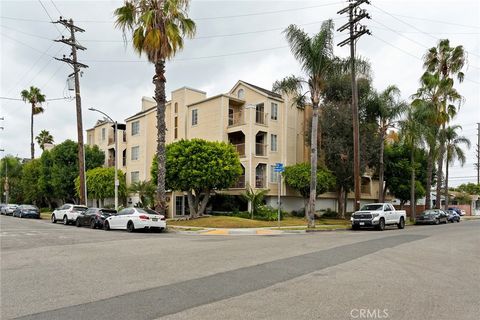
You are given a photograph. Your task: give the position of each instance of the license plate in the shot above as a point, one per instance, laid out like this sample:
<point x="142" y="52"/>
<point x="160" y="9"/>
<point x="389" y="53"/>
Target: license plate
<point x="154" y="219"/>
<point x="362" y="223"/>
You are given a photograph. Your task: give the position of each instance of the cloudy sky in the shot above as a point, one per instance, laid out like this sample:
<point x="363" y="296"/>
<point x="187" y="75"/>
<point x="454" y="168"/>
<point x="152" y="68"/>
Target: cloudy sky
<point x="235" y="40"/>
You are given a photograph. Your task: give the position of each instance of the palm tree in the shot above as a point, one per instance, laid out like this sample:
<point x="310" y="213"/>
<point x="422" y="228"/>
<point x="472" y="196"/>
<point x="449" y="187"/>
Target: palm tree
<point x="453" y="151"/>
<point x="411" y="133"/>
<point x="43" y="138"/>
<point x="158" y="28"/>
<point x="389" y="109"/>
<point x="445" y="62"/>
<point x="145" y="191"/>
<point x="35" y="98"/>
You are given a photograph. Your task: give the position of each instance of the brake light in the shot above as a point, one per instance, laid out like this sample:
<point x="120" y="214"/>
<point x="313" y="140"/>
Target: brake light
<point x="162" y="218"/>
<point x="143" y="217"/>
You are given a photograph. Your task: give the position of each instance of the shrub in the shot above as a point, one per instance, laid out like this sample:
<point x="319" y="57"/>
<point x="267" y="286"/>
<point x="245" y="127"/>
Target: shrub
<point x="328" y="213"/>
<point x="267" y="213"/>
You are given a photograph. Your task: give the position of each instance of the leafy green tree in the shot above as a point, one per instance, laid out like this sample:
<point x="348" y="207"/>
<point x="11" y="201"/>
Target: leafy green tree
<point x="255" y="199"/>
<point x="11" y="167"/>
<point x="64" y="168"/>
<point x="198" y="167"/>
<point x="43" y="138"/>
<point x="100" y="184"/>
<point x="31" y="192"/>
<point x="145" y="191"/>
<point x="298" y="177"/>
<point x="35" y="98"/>
<point x="45" y="185"/>
<point x="453" y="152"/>
<point x="158" y="28"/>
<point x="470" y="188"/>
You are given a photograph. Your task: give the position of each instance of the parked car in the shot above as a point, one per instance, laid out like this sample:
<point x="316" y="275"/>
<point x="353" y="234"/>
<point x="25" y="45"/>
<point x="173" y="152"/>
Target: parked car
<point x="67" y="213"/>
<point x="453" y="216"/>
<point x="27" y="211"/>
<point x="2" y="206"/>
<point x="9" y="209"/>
<point x="459" y="211"/>
<point x="94" y="217"/>
<point x="132" y="219"/>
<point x="378" y="215"/>
<point x="432" y="216"/>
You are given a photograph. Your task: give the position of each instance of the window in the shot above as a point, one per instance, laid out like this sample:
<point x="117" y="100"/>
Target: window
<point x="179" y="206"/>
<point x="135" y="128"/>
<point x="273" y="142"/>
<point x="176" y="107"/>
<point x="134" y="176"/>
<point x="104" y="134"/>
<point x="194" y="117"/>
<point x="241" y="94"/>
<point x="274" y="111"/>
<point x="135" y="152"/>
<point x="273" y="174"/>
<point x="175" y="131"/>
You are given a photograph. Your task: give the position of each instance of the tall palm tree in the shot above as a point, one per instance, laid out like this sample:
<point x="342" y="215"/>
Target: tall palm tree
<point x="158" y="28"/>
<point x="318" y="63"/>
<point x="389" y="109"/>
<point x="35" y="98"/>
<point x="453" y="151"/>
<point x="412" y="136"/>
<point x="43" y="138"/>
<point x="446" y="62"/>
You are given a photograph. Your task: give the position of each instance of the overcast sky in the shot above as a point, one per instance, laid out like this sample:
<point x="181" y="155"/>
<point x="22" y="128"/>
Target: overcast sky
<point x="235" y="40"/>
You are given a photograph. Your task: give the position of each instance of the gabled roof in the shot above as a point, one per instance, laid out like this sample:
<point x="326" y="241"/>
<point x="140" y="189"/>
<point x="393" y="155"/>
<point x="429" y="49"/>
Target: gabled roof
<point x="259" y="89"/>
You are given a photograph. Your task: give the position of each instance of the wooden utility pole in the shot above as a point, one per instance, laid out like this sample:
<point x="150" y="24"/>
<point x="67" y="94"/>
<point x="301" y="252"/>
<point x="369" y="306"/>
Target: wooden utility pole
<point x="355" y="14"/>
<point x="76" y="73"/>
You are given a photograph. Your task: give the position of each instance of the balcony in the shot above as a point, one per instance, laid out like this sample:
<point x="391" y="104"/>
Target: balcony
<point x="260" y="181"/>
<point x="260" y="149"/>
<point x="111" y="162"/>
<point x="260" y="117"/>
<point x="240" y="147"/>
<point x="240" y="184"/>
<point x="111" y="140"/>
<point x="235" y="118"/>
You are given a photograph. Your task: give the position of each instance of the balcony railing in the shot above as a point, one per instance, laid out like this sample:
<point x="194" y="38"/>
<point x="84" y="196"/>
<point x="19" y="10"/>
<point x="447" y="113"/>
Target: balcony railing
<point x="260" y="117"/>
<point x="111" y="140"/>
<point x="236" y="119"/>
<point x="111" y="162"/>
<point x="260" y="181"/>
<point x="260" y="149"/>
<point x="240" y="184"/>
<point x="240" y="147"/>
<point x="124" y="161"/>
<point x="366" y="189"/>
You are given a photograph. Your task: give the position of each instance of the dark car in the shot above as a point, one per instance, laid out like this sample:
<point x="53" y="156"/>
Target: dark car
<point x="27" y="211"/>
<point x="94" y="217"/>
<point x="453" y="216"/>
<point x="433" y="216"/>
<point x="457" y="210"/>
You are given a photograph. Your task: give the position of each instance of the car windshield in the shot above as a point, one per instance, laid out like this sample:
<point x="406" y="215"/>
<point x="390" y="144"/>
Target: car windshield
<point x="78" y="208"/>
<point x="108" y="211"/>
<point x="147" y="211"/>
<point x="372" y="207"/>
<point x="29" y="207"/>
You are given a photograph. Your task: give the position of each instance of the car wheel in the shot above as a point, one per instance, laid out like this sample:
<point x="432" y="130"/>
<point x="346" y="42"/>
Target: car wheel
<point x="437" y="221"/>
<point x="355" y="227"/>
<point x="93" y="224"/>
<point x="401" y="224"/>
<point x="106" y="226"/>
<point x="381" y="224"/>
<point x="53" y="219"/>
<point x="21" y="215"/>
<point x="130" y="226"/>
<point x="77" y="223"/>
<point x="65" y="220"/>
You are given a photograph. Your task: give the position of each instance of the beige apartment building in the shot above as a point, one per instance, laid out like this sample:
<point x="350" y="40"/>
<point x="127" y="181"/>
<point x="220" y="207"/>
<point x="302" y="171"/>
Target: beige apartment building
<point x="264" y="127"/>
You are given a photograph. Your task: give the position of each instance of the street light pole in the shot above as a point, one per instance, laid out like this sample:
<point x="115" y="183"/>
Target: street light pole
<point x="115" y="133"/>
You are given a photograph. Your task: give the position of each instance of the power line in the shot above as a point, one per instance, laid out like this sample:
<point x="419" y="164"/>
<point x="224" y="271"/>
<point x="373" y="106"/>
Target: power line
<point x="56" y="8"/>
<point x="18" y="99"/>
<point x="50" y="17"/>
<point x="436" y="21"/>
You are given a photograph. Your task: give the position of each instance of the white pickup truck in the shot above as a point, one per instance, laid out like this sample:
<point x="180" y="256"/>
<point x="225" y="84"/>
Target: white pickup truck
<point x="378" y="215"/>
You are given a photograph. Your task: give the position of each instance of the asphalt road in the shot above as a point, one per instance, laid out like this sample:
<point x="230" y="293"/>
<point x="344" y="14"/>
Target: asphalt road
<point x="62" y="272"/>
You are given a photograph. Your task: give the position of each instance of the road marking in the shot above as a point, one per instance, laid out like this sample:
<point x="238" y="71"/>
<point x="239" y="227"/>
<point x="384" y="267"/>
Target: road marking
<point x="216" y="232"/>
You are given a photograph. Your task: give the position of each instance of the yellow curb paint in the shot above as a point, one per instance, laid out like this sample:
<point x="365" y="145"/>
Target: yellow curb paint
<point x="264" y="232"/>
<point x="216" y="232"/>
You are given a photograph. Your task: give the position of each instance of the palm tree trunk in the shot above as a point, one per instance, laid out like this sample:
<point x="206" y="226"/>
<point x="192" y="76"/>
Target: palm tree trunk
<point x="313" y="172"/>
<point x="159" y="81"/>
<point x="412" y="186"/>
<point x="341" y="208"/>
<point x="441" y="151"/>
<point x="446" y="184"/>
<point x="428" y="186"/>
<point x="381" y="168"/>
<point x="32" y="146"/>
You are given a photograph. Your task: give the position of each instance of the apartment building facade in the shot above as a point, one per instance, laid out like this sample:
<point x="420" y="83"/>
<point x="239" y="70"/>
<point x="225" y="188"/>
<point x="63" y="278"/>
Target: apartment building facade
<point x="264" y="127"/>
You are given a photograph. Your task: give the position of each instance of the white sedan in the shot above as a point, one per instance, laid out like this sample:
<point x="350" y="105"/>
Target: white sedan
<point x="132" y="219"/>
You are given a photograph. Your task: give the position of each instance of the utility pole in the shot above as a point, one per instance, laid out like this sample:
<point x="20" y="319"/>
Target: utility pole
<point x="76" y="73"/>
<point x="355" y="14"/>
<point x="478" y="153"/>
